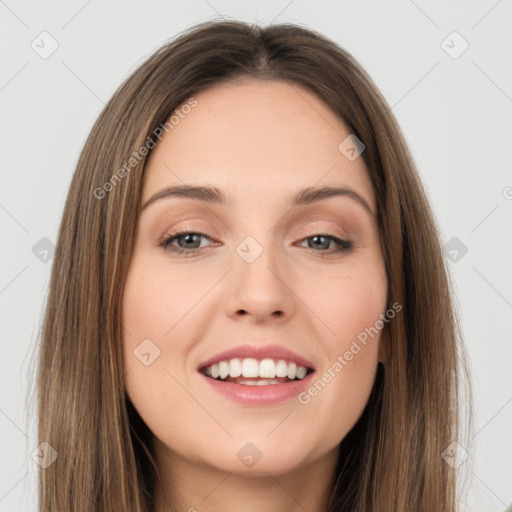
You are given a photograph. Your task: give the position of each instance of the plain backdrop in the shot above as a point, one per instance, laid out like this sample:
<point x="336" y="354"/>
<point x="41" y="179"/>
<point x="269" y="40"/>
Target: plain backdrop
<point x="444" y="67"/>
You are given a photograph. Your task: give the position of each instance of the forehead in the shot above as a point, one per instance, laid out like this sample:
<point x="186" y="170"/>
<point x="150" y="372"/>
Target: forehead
<point x="256" y="138"/>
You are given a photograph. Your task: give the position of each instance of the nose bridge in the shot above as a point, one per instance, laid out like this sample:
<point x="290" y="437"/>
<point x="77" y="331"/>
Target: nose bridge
<point x="259" y="281"/>
<point x="259" y="243"/>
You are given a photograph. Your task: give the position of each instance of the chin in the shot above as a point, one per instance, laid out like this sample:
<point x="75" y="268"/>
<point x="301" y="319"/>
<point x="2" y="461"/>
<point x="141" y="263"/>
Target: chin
<point x="260" y="457"/>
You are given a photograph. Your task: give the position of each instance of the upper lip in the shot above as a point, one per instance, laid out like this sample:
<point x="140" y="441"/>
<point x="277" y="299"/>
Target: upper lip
<point x="258" y="352"/>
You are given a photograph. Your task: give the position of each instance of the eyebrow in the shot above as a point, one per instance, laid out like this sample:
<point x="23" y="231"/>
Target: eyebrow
<point x="209" y="194"/>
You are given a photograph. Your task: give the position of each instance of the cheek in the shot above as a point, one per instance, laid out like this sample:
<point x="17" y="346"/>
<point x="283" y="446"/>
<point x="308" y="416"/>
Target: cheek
<point x="153" y="304"/>
<point x="348" y="302"/>
<point x="350" y="306"/>
<point x="162" y="304"/>
<point x="155" y="299"/>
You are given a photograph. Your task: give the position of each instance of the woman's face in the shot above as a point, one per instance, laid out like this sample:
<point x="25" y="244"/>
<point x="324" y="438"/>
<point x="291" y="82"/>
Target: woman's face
<point x="258" y="269"/>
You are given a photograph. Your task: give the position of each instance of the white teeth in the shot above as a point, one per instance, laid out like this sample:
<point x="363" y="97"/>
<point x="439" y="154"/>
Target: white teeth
<point x="281" y="368"/>
<point x="267" y="382"/>
<point x="267" y="369"/>
<point x="252" y="368"/>
<point x="235" y="368"/>
<point x="223" y="369"/>
<point x="215" y="370"/>
<point x="292" y="371"/>
<point x="301" y="372"/>
<point x="248" y="382"/>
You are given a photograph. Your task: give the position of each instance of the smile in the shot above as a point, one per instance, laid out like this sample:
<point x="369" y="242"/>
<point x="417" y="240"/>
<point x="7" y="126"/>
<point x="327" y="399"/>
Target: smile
<point x="254" y="372"/>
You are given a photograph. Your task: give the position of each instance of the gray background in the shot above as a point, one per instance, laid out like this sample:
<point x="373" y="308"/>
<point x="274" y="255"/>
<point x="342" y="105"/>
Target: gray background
<point x="455" y="111"/>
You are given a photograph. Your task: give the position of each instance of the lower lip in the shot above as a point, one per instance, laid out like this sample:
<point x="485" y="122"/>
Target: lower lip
<point x="259" y="395"/>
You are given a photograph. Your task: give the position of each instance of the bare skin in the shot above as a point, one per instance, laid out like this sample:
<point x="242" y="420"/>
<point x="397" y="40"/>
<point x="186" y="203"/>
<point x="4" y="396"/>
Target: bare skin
<point x="259" y="142"/>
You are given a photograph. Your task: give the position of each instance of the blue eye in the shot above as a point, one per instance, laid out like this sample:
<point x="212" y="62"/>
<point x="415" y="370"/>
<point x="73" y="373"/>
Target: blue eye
<point x="319" y="242"/>
<point x="192" y="238"/>
<point x="188" y="236"/>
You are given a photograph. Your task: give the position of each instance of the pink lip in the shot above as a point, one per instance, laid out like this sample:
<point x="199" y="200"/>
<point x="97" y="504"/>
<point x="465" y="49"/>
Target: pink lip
<point x="263" y="352"/>
<point x="259" y="395"/>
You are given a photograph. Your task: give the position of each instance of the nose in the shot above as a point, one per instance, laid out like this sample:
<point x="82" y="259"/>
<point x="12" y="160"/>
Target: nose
<point x="261" y="290"/>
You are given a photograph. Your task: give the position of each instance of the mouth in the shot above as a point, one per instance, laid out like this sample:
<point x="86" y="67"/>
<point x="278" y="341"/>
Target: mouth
<point x="256" y="372"/>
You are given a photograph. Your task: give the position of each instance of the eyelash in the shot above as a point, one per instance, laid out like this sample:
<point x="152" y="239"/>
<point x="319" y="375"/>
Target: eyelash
<point x="342" y="245"/>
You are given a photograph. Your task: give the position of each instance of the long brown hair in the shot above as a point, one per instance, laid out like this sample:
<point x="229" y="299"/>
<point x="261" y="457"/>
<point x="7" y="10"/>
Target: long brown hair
<point x="392" y="459"/>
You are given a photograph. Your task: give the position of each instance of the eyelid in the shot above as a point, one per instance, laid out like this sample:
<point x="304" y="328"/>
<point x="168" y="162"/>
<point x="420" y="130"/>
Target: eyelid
<point x="323" y="231"/>
<point x="193" y="225"/>
<point x="336" y="232"/>
<point x="176" y="233"/>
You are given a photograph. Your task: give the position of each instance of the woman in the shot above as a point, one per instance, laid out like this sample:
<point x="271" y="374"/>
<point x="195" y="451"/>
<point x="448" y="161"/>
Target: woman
<point x="305" y="354"/>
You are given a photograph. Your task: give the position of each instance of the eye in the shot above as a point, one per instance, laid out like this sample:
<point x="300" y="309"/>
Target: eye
<point x="188" y="243"/>
<point x="323" y="241"/>
<point x="189" y="239"/>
